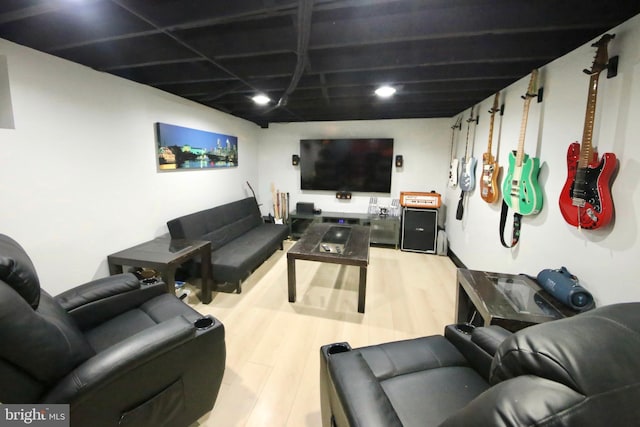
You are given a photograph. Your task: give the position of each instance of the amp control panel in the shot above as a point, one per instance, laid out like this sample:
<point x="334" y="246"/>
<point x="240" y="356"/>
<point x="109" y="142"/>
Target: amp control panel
<point x="429" y="200"/>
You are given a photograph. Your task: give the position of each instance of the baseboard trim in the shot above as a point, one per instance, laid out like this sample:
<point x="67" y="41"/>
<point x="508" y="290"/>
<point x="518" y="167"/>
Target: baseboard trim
<point x="458" y="263"/>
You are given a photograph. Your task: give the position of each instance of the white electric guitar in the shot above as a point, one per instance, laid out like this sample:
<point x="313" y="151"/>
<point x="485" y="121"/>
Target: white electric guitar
<point x="455" y="164"/>
<point x="467" y="176"/>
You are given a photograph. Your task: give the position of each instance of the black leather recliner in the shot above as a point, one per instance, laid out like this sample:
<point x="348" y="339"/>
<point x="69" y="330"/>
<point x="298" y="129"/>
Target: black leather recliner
<point x="118" y="351"/>
<point x="582" y="371"/>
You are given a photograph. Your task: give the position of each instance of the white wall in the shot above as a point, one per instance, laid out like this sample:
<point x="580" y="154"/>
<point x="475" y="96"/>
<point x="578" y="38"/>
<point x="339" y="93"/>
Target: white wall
<point x="78" y="173"/>
<point x="605" y="260"/>
<point x="79" y="178"/>
<point x="419" y="141"/>
<point x="6" y="110"/>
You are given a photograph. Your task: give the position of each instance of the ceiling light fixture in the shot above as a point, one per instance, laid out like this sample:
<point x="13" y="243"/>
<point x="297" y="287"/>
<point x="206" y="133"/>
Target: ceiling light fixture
<point x="261" y="99"/>
<point x="385" y="91"/>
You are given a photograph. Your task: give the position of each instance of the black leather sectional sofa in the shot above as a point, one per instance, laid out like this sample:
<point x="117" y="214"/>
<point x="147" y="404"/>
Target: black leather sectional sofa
<point x="240" y="239"/>
<point x="582" y="371"/>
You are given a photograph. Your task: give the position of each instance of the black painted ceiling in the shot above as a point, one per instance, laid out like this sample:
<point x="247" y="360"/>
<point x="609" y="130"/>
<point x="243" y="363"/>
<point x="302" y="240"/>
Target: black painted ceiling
<point x="316" y="60"/>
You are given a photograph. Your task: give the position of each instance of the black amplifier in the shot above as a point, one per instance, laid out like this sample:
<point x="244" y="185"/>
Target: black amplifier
<point x="304" y="208"/>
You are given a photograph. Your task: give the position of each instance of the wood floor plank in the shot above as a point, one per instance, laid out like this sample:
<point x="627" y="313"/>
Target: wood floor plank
<point x="273" y="346"/>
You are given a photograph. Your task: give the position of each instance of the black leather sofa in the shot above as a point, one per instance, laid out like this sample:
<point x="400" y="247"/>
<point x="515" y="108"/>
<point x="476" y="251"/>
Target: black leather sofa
<point x="240" y="239"/>
<point x="582" y="371"/>
<point x="119" y="352"/>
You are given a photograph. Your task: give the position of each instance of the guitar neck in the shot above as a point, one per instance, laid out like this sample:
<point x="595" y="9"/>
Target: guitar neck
<point x="586" y="148"/>
<point x="466" y="147"/>
<point x="453" y="136"/>
<point x="523" y="131"/>
<point x="493" y="114"/>
<point x="531" y="92"/>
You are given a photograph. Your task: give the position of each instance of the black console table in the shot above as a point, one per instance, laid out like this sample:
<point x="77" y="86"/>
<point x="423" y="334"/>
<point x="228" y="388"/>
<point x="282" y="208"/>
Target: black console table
<point x="511" y="301"/>
<point x="385" y="230"/>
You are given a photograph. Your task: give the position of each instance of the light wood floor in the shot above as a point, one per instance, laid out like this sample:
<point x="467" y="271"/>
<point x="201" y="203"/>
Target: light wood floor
<point x="273" y="346"/>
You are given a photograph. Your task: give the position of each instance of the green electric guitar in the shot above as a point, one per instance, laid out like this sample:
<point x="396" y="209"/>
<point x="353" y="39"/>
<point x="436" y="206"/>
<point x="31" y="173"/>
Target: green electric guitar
<point x="520" y="188"/>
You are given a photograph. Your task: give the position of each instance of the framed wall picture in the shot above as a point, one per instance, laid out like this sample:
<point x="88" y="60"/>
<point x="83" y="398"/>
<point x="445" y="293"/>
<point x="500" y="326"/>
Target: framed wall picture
<point x="181" y="148"/>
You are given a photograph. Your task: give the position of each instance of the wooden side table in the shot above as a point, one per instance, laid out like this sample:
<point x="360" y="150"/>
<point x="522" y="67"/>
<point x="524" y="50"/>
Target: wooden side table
<point x="166" y="255"/>
<point x="513" y="301"/>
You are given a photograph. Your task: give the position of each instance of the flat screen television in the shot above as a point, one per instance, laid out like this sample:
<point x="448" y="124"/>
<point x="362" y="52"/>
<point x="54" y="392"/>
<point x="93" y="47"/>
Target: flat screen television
<point x="362" y="165"/>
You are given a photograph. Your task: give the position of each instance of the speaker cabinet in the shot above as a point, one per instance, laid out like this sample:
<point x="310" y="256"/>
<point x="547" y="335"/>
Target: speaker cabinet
<point x="419" y="230"/>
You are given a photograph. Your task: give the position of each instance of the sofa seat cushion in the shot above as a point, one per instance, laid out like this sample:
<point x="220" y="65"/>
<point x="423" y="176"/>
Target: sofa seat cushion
<point x="427" y="398"/>
<point x="235" y="260"/>
<point x="405" y="383"/>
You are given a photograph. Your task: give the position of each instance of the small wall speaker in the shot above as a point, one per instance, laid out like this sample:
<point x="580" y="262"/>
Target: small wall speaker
<point x="295" y="160"/>
<point x="399" y="161"/>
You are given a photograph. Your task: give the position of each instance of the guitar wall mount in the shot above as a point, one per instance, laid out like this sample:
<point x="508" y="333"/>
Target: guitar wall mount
<point x="612" y="67"/>
<point x="538" y="95"/>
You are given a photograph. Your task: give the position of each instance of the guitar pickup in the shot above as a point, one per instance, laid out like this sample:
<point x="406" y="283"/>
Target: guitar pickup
<point x="578" y="202"/>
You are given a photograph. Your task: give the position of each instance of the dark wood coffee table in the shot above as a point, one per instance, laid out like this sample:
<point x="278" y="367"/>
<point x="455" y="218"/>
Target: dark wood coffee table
<point x="355" y="252"/>
<point x="166" y="255"/>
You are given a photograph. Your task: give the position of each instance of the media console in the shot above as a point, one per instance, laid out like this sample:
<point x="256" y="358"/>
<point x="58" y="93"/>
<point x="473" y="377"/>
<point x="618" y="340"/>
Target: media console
<point x="385" y="230"/>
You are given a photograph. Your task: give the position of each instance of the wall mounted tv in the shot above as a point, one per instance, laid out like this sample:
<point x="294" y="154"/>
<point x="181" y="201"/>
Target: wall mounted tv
<point x="346" y="164"/>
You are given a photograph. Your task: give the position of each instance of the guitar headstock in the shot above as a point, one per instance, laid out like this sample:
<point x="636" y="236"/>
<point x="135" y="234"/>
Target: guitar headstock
<point x="495" y="108"/>
<point x="458" y="123"/>
<point x="533" y="84"/>
<point x="471" y="118"/>
<point x="601" y="59"/>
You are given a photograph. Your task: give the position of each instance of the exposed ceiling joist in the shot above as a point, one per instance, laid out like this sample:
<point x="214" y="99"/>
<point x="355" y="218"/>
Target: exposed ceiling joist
<point x="320" y="59"/>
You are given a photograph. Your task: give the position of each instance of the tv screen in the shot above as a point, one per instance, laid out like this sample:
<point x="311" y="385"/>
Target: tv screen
<point x="346" y="164"/>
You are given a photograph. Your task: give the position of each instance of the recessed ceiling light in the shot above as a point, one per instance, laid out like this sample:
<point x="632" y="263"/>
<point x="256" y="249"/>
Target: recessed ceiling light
<point x="261" y="99"/>
<point x="385" y="91"/>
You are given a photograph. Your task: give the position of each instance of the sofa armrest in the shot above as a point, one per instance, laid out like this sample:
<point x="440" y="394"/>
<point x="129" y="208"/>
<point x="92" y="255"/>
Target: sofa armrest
<point x="477" y="345"/>
<point x="528" y="400"/>
<point x="94" y="302"/>
<point x="357" y="396"/>
<point x="121" y="359"/>
<point x="489" y="338"/>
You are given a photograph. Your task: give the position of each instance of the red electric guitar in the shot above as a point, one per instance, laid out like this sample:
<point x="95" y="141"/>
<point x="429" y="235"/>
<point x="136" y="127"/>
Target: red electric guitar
<point x="585" y="200"/>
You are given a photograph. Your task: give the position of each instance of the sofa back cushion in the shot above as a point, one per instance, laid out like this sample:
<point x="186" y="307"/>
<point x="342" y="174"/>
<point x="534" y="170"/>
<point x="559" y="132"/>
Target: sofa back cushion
<point x="189" y="226"/>
<point x="228" y="232"/>
<point x="17" y="271"/>
<point x="38" y="346"/>
<point x="594" y="352"/>
<point x="219" y="225"/>
<point x="581" y="371"/>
